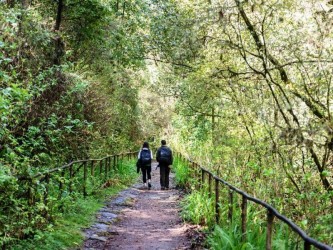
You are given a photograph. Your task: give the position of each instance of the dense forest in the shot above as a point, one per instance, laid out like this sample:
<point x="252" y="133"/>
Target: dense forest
<point x="243" y="87"/>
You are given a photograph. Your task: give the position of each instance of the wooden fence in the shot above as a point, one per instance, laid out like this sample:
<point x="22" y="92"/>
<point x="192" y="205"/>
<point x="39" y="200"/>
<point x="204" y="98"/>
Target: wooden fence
<point x="271" y="211"/>
<point x="70" y="178"/>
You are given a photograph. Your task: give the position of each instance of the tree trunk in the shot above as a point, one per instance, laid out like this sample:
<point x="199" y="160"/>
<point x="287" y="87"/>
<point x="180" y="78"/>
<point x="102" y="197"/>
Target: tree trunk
<point x="284" y="78"/>
<point x="213" y="127"/>
<point x="58" y="43"/>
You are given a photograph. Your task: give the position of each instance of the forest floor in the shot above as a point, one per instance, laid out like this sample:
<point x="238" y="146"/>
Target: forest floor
<point x="140" y="219"/>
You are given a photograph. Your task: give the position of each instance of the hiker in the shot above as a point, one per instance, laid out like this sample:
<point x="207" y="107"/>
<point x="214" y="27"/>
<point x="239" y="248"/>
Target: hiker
<point x="165" y="159"/>
<point x="144" y="163"/>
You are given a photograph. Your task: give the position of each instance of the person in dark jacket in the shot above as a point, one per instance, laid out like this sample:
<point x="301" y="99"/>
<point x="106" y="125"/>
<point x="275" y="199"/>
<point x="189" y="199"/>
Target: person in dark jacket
<point x="145" y="157"/>
<point x="165" y="159"/>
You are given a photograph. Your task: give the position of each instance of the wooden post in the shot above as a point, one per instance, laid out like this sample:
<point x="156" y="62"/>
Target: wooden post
<point x="92" y="170"/>
<point x="210" y="184"/>
<point x="61" y="187"/>
<point x="46" y="194"/>
<point x="117" y="161"/>
<point x="202" y="178"/>
<point x="244" y="217"/>
<point x="217" y="209"/>
<point x="110" y="163"/>
<point x="193" y="170"/>
<point x="70" y="177"/>
<point x="231" y="205"/>
<point x="106" y="168"/>
<point x="85" y="179"/>
<point x="270" y="218"/>
<point x="100" y="167"/>
<point x="197" y="172"/>
<point x="107" y="164"/>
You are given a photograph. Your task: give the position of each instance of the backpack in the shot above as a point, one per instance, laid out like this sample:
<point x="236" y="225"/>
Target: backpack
<point x="145" y="158"/>
<point x="165" y="155"/>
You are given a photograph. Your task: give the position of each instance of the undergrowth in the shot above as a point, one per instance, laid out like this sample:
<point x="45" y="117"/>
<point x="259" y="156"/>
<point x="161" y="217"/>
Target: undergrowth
<point x="229" y="237"/>
<point x="66" y="230"/>
<point x="198" y="207"/>
<point x="182" y="173"/>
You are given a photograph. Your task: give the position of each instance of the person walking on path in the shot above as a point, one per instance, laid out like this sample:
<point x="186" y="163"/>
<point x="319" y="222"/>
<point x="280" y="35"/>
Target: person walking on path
<point x="165" y="159"/>
<point x="145" y="157"/>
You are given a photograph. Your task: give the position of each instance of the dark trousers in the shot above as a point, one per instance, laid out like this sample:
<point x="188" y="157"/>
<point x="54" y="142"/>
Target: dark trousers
<point x="164" y="175"/>
<point x="146" y="172"/>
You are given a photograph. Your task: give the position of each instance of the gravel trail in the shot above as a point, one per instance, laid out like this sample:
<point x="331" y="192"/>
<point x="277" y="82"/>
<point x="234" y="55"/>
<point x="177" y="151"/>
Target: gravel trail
<point x="140" y="219"/>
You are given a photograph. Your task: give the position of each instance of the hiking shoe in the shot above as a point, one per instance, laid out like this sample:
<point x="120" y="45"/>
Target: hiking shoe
<point x="162" y="188"/>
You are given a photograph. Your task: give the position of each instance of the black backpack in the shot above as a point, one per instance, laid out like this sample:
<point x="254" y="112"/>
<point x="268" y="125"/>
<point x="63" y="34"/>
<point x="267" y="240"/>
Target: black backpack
<point x="145" y="158"/>
<point x="165" y="155"/>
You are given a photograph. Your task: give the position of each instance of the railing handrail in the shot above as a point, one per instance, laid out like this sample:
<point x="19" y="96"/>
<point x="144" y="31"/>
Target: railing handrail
<point x="273" y="210"/>
<point x="49" y="171"/>
<point x="78" y="177"/>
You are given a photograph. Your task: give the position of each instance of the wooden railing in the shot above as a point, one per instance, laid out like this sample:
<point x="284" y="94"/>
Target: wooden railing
<point x="271" y="211"/>
<point x="70" y="178"/>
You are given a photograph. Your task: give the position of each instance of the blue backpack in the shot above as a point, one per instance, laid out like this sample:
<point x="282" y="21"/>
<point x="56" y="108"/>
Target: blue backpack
<point x="145" y="157"/>
<point x="165" y="155"/>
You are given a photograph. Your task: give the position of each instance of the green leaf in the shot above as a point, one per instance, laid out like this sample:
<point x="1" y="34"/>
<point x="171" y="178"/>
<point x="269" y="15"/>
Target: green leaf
<point x="325" y="173"/>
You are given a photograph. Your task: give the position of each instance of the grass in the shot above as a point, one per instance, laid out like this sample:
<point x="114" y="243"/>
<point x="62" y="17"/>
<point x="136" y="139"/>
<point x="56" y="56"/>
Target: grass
<point x="230" y="238"/>
<point x="198" y="207"/>
<point x="66" y="230"/>
<point x="182" y="173"/>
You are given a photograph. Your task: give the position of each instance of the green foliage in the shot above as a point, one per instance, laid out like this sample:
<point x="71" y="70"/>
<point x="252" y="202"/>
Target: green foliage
<point x="172" y="32"/>
<point x="231" y="238"/>
<point x="55" y="111"/>
<point x="182" y="173"/>
<point x="71" y="212"/>
<point x="249" y="83"/>
<point x="251" y="105"/>
<point x="228" y="235"/>
<point x="9" y="203"/>
<point x="198" y="208"/>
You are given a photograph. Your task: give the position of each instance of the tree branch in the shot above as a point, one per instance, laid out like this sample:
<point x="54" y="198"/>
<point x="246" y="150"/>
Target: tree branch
<point x="168" y="62"/>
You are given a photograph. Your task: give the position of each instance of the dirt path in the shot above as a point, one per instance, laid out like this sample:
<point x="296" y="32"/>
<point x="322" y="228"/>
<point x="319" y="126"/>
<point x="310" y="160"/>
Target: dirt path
<point x="140" y="219"/>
